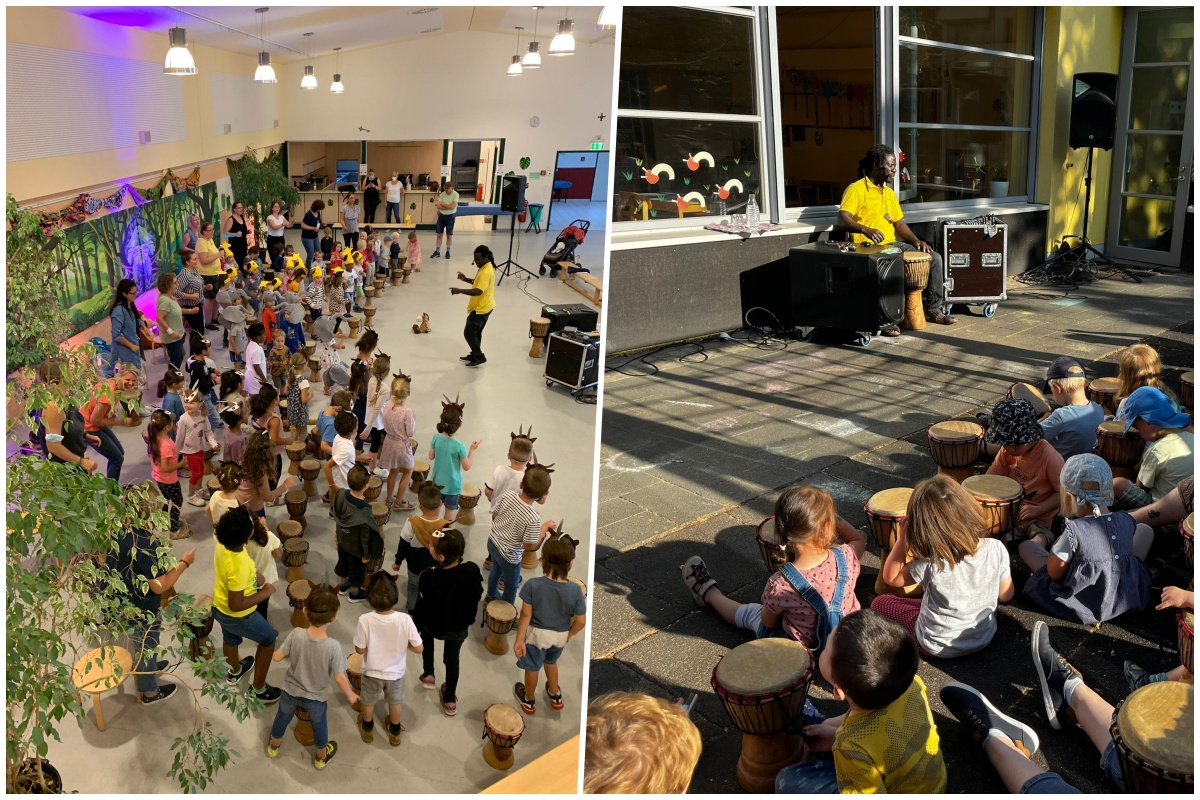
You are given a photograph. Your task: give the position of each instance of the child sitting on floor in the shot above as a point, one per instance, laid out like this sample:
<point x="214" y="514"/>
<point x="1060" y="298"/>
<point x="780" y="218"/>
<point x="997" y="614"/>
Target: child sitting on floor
<point x="1028" y="459"/>
<point x="1094" y="572"/>
<point x="638" y="744"/>
<point x="806" y="598"/>
<point x="964" y="573"/>
<point x="1071" y="427"/>
<point x="384" y="638"/>
<point x="887" y="741"/>
<point x="1167" y="459"/>
<point x="1140" y="366"/>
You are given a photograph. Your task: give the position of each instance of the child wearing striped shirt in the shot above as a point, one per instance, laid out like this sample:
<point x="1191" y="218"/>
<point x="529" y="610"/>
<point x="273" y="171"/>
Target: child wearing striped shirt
<point x="516" y="527"/>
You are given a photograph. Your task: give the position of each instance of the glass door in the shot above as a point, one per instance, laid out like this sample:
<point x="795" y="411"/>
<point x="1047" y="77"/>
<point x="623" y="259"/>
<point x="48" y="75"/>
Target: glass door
<point x="1155" y="120"/>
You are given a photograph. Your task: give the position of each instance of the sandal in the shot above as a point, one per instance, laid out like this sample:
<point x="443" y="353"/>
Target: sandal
<point x="942" y="319"/>
<point x="449" y="709"/>
<point x="556" y="700"/>
<point x="428" y="682"/>
<point x="697" y="579"/>
<point x="404" y="505"/>
<point x="526" y="703"/>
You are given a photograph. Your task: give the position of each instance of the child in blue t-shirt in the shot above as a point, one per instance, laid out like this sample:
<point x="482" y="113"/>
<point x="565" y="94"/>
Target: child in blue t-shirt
<point x="1071" y="428"/>
<point x="450" y="457"/>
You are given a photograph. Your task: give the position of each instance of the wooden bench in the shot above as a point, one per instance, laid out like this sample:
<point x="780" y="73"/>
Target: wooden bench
<point x="592" y="288"/>
<point x="556" y="772"/>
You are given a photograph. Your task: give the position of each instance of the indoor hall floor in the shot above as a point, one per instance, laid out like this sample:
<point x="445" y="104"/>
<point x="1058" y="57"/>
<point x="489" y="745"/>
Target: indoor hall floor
<point x="695" y="453"/>
<point x="439" y="753"/>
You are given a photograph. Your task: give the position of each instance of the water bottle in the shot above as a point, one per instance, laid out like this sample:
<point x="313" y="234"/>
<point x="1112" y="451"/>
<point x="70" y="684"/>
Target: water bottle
<point x="752" y="213"/>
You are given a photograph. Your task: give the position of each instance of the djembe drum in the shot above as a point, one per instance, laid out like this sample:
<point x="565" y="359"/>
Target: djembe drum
<point x="1188" y="532"/>
<point x="500" y="618"/>
<point x="213" y="484"/>
<point x="954" y="446"/>
<point x="916" y="278"/>
<point x="529" y="559"/>
<point x="289" y="530"/>
<point x="208" y="457"/>
<point x="354" y="670"/>
<point x="297" y="503"/>
<point x="467" y="500"/>
<point x="314" y="369"/>
<point x="308" y="322"/>
<point x="198" y="645"/>
<point x="304" y="729"/>
<point x="295" y="454"/>
<point x="1187" y="390"/>
<point x="295" y="556"/>
<point x="1187" y="638"/>
<point x="380" y="283"/>
<point x="774" y="555"/>
<point x="1152" y="730"/>
<point x="1122" y="451"/>
<point x="1027" y="391"/>
<point x="381" y="512"/>
<point x="310" y="349"/>
<point x="763" y="685"/>
<point x="370" y="568"/>
<point x="397" y="276"/>
<point x="886" y="512"/>
<point x="297" y="594"/>
<point x="503" y="726"/>
<point x="538" y="328"/>
<point x="1000" y="498"/>
<point x="579" y="583"/>
<point x="420" y="474"/>
<point x="355" y="327"/>
<point x="1102" y="391"/>
<point x="374" y="488"/>
<point x="310" y="468"/>
<point x="369" y="302"/>
<point x="406" y="270"/>
<point x="369" y="316"/>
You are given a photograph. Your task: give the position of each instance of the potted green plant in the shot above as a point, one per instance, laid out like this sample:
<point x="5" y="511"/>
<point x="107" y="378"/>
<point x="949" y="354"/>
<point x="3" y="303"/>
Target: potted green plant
<point x="258" y="183"/>
<point x="63" y="599"/>
<point x="999" y="175"/>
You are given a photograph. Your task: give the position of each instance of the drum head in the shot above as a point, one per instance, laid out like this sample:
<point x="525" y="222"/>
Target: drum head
<point x="763" y="666"/>
<point x="379" y="509"/>
<point x="1156" y="722"/>
<point x="956" y="430"/>
<point x="374" y="481"/>
<point x="300" y="589"/>
<point x="470" y="490"/>
<point x="546" y="321"/>
<point x="1106" y="385"/>
<point x="289" y="529"/>
<point x="296" y="544"/>
<point x="501" y="611"/>
<point x="917" y="257"/>
<point x="992" y="487"/>
<point x="1024" y="391"/>
<point x="203" y="602"/>
<point x="354" y="661"/>
<point x="1114" y="427"/>
<point x="1188" y="525"/>
<point x="296" y="496"/>
<point x="890" y="502"/>
<point x="420" y="466"/>
<point x="310" y="464"/>
<point x="504" y="720"/>
<point x="295" y="447"/>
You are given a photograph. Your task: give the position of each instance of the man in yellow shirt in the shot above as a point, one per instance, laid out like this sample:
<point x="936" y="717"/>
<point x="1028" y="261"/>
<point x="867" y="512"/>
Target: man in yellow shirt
<point x="481" y="304"/>
<point x="871" y="212"/>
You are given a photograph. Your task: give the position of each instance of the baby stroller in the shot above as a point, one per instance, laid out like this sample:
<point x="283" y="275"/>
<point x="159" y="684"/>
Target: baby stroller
<point x="563" y="249"/>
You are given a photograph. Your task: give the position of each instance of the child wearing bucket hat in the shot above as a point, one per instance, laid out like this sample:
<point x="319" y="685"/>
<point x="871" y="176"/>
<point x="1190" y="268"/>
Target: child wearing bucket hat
<point x="1094" y="572"/>
<point x="1027" y="458"/>
<point x="1167" y="459"/>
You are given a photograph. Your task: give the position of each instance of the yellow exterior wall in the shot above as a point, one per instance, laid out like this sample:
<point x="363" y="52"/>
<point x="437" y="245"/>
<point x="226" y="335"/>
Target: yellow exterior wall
<point x="1078" y="39"/>
<point x="53" y="177"/>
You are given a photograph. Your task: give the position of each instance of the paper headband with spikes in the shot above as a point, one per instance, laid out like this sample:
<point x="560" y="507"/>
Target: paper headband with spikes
<point x="396" y="375"/>
<point x="226" y="250"/>
<point x="548" y="467"/>
<point x="524" y="434"/>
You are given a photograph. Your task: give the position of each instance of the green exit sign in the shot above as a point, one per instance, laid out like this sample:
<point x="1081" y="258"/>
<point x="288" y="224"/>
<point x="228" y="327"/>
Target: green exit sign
<point x="597" y="145"/>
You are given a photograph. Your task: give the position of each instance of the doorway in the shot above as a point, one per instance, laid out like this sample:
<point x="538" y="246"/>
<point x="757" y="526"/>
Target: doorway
<point x="579" y="189"/>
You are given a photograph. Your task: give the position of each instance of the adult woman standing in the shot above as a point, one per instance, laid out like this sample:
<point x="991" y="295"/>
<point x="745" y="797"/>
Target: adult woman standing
<point x="189" y="291"/>
<point x="395" y="199"/>
<point x="235" y="231"/>
<point x="126" y="324"/>
<point x="371" y="195"/>
<point x="310" y="229"/>
<point x="170" y="319"/>
<point x="277" y="223"/>
<point x="99" y="421"/>
<point x="349" y="218"/>
<point x="191" y="237"/>
<point x="210" y="271"/>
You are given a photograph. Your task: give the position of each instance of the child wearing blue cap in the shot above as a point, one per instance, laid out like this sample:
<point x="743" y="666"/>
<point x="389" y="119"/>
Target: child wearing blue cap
<point x="1167" y="459"/>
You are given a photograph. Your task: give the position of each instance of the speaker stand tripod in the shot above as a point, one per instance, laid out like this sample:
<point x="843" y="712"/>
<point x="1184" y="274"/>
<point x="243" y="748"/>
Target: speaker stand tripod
<point x="506" y="268"/>
<point x="1082" y="252"/>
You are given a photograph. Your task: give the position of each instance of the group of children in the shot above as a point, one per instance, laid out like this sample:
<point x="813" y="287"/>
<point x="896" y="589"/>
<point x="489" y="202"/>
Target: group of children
<point x="1083" y="534"/>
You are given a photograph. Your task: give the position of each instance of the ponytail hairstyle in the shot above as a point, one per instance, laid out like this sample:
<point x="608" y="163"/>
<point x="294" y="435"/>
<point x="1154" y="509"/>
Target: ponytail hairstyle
<point x="450" y="545"/>
<point x="159" y="421"/>
<point x="380" y="368"/>
<point x="259" y="534"/>
<point x="874" y="158"/>
<point x="172" y="379"/>
<point x="451" y="419"/>
<point x="229" y="475"/>
<point x="805" y="515"/>
<point x="230" y="383"/>
<point x="298" y="361"/>
<point x="359" y="374"/>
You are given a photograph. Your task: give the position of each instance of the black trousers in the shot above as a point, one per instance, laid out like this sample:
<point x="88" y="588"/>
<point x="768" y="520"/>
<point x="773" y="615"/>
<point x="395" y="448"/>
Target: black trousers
<point x="473" y="333"/>
<point x="370" y="205"/>
<point x="451" y="645"/>
<point x="351" y="240"/>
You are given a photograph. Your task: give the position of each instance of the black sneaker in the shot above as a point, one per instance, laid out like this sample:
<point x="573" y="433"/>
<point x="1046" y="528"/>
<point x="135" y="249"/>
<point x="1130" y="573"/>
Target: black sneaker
<point x="162" y="665"/>
<point x="211" y="327"/>
<point x="475" y="362"/>
<point x="268" y="694"/>
<point x="344" y="589"/>
<point x="979" y="716"/>
<point x="245" y="665"/>
<point x="467" y="357"/>
<point x="527" y="703"/>
<point x="356" y="596"/>
<point x="436" y="254"/>
<point x="165" y="690"/>
<point x="1136" y="676"/>
<point x="1053" y="673"/>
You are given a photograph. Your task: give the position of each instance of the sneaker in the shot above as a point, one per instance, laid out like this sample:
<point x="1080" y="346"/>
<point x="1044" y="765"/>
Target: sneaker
<point x="330" y="752"/>
<point x="487" y="562"/>
<point x="942" y="319"/>
<point x="165" y="690"/>
<point x="268" y="694"/>
<point x="367" y="734"/>
<point x="343" y="589"/>
<point x="467" y="357"/>
<point x="979" y="716"/>
<point x="197" y="500"/>
<point x="556" y="700"/>
<point x="244" y="667"/>
<point x="356" y="596"/>
<point x="1136" y="676"/>
<point x="436" y="254"/>
<point x="889" y="330"/>
<point x="1053" y="673"/>
<point x="477" y="361"/>
<point x="272" y="752"/>
<point x="527" y="703"/>
<point x="697" y="579"/>
<point x="447" y="252"/>
<point x="211" y="327"/>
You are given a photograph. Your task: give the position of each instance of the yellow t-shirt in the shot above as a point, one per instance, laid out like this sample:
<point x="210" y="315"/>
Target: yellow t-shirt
<point x="210" y="247"/>
<point x="893" y="749"/>
<point x="485" y="280"/>
<point x="871" y="205"/>
<point x="235" y="573"/>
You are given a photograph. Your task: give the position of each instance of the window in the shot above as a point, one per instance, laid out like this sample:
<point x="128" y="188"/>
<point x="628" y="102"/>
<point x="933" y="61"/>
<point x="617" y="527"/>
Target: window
<point x="689" y="126"/>
<point x="966" y="77"/>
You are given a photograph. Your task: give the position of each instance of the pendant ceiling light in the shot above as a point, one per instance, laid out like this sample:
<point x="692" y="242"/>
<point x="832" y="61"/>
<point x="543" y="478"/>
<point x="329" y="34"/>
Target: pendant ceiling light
<point x="563" y="44"/>
<point x="609" y="17"/>
<point x="532" y="58"/>
<point x="309" y="81"/>
<point x="336" y="87"/>
<point x="514" y="69"/>
<point x="265" y="72"/>
<point x="179" y="58"/>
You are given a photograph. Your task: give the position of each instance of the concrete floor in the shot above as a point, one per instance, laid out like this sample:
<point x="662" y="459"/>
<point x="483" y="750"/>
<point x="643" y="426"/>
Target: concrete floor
<point x="695" y="454"/>
<point x="439" y="754"/>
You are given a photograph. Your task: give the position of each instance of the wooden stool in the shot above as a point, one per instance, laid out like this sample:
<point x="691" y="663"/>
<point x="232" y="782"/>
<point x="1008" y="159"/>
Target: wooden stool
<point x="96" y="679"/>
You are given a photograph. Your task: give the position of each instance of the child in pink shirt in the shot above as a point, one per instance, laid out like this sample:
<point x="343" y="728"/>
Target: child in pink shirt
<point x="164" y="467"/>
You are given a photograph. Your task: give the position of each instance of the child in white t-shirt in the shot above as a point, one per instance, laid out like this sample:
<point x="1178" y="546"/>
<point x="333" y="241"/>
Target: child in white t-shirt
<point x="337" y="468"/>
<point x="383" y="638"/>
<point x="508" y="476"/>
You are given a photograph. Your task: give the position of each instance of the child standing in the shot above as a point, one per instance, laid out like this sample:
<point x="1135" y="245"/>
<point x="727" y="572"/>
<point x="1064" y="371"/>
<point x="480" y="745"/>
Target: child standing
<point x="1167" y="459"/>
<point x="887" y="741"/>
<point x="516" y="527"/>
<point x="265" y="549"/>
<point x="417" y="538"/>
<point x="1094" y="572"/>
<point x="233" y="392"/>
<point x="168" y="389"/>
<point x="194" y="434"/>
<point x="807" y="601"/>
<point x="508" y="476"/>
<point x="298" y="396"/>
<point x="164" y="468"/>
<point x="451" y="457"/>
<point x="446" y="609"/>
<point x="358" y="537"/>
<point x="552" y="611"/>
<point x="203" y="376"/>
<point x="315" y="659"/>
<point x="327" y="242"/>
<point x="337" y="302"/>
<point x="383" y="638"/>
<point x="377" y="394"/>
<point x="964" y="573"/>
<point x="234" y="446"/>
<point x="230" y="477"/>
<point x="393" y="246"/>
<point x="1028" y="459"/>
<point x="399" y="425"/>
<point x="337" y="468"/>
<point x="414" y="252"/>
<point x="1071" y="427"/>
<point x="277" y="361"/>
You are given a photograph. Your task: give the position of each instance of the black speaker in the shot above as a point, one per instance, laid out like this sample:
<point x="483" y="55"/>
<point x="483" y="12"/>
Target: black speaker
<point x="573" y="360"/>
<point x="1093" y="110"/>
<point x="573" y="315"/>
<point x="512" y="193"/>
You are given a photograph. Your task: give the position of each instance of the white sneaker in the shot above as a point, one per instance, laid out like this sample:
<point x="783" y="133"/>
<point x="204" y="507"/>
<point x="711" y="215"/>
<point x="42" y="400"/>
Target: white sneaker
<point x="197" y="500"/>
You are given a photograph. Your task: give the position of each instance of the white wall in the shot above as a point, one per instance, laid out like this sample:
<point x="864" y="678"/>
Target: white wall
<point x="454" y="87"/>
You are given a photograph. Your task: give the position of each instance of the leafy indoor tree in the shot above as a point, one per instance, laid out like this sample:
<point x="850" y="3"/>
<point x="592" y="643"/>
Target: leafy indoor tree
<point x="257" y="184"/>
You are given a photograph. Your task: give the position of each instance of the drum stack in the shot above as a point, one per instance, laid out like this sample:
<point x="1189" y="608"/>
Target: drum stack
<point x="310" y="468"/>
<point x="1122" y="451"/>
<point x="774" y="555"/>
<point x="500" y="618"/>
<point x="954" y="445"/>
<point x="297" y="504"/>
<point x="916" y="278"/>
<point x="1153" y="732"/>
<point x="298" y="592"/>
<point x="295" y="556"/>
<point x="503" y="727"/>
<point x="538" y="328"/>
<point x="1102" y="391"/>
<point x="467" y="500"/>
<point x="198" y="646"/>
<point x="763" y="685"/>
<point x="1000" y="498"/>
<point x="295" y="453"/>
<point x="886" y="512"/>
